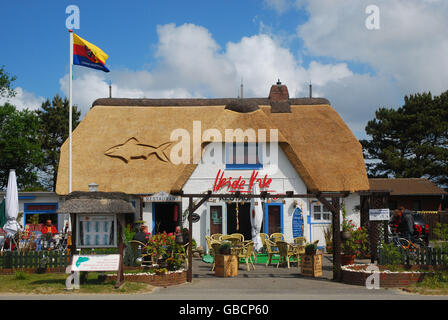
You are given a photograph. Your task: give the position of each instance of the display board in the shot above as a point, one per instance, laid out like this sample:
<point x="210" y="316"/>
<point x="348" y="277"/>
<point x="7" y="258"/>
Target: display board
<point x="297" y="223"/>
<point x="97" y="230"/>
<point x="379" y="214"/>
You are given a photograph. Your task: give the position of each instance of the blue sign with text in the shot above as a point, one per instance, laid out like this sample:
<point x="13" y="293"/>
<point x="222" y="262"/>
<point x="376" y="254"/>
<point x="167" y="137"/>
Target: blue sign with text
<point x="297" y="223"/>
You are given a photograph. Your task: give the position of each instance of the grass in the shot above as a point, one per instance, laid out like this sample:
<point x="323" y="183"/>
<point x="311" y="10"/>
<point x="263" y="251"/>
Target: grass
<point x="53" y="283"/>
<point x="436" y="284"/>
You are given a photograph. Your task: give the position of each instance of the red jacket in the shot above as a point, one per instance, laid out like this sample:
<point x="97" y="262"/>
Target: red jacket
<point x="52" y="229"/>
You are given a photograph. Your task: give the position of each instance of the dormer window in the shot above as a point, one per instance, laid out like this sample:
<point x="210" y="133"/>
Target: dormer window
<point x="243" y="156"/>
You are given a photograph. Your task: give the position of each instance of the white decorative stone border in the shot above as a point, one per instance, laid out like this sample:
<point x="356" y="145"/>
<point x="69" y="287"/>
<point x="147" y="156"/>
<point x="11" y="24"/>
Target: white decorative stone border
<point x="347" y="268"/>
<point x="148" y="273"/>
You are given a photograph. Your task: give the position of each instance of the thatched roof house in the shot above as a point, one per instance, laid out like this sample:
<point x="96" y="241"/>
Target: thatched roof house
<point x="317" y="142"/>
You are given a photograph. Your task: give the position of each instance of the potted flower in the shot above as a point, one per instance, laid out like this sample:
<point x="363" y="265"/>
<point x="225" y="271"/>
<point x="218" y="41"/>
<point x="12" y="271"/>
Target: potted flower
<point x="328" y="239"/>
<point x="347" y="225"/>
<point x="311" y="262"/>
<point x="226" y="264"/>
<point x="349" y="248"/>
<point x="360" y="238"/>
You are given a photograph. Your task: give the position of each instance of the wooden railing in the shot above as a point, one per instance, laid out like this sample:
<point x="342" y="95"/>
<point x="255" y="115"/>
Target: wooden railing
<point x="55" y="258"/>
<point x="421" y="256"/>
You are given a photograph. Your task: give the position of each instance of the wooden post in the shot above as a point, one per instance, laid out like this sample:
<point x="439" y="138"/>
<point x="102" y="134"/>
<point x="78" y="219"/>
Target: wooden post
<point x="337" y="274"/>
<point x="334" y="208"/>
<point x="190" y="240"/>
<point x="379" y="200"/>
<point x="73" y="240"/>
<point x="120" y="275"/>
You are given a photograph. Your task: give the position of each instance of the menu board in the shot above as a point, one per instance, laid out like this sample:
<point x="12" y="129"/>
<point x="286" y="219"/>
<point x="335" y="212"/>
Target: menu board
<point x="297" y="223"/>
<point x="96" y="231"/>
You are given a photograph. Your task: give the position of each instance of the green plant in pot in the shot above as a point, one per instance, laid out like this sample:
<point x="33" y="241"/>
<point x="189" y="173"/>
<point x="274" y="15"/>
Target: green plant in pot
<point x="224" y="248"/>
<point x="310" y="249"/>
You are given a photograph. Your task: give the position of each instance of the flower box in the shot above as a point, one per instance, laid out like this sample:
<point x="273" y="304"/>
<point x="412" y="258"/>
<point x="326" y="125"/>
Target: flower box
<point x="226" y="265"/>
<point x="311" y="265"/>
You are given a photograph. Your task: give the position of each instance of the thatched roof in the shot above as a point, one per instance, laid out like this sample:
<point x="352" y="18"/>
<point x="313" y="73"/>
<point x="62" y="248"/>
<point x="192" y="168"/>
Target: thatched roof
<point x="96" y="203"/>
<point x="318" y="143"/>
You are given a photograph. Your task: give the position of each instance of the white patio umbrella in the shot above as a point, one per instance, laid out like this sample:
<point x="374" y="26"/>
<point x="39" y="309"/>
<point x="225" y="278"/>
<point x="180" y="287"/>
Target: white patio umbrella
<point x="256" y="219"/>
<point x="12" y="206"/>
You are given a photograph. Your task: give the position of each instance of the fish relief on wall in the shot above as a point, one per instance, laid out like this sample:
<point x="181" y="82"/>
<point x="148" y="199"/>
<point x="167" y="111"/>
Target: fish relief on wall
<point x="132" y="149"/>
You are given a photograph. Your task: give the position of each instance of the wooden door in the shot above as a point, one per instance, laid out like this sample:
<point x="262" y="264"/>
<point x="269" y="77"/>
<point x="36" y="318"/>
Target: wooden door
<point x="215" y="219"/>
<point x="274" y="224"/>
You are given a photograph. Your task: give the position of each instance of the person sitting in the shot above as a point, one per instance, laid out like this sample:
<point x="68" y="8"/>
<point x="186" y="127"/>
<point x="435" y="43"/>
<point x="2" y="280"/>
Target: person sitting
<point x="48" y="231"/>
<point x="142" y="235"/>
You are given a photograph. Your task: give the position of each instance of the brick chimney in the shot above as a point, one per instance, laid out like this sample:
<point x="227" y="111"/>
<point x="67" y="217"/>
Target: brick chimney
<point x="279" y="92"/>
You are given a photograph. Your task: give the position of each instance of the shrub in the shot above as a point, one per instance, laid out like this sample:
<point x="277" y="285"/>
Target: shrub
<point x="20" y="275"/>
<point x="163" y="248"/>
<point x="310" y="249"/>
<point x="224" y="248"/>
<point x="441" y="231"/>
<point x="391" y="255"/>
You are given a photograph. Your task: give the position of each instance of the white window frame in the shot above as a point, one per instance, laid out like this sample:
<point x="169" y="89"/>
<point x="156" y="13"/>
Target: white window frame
<point x="322" y="212"/>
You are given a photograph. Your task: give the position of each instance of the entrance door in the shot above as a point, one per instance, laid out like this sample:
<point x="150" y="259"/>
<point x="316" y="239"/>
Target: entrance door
<point x="245" y="226"/>
<point x="215" y="219"/>
<point x="274" y="218"/>
<point x="165" y="217"/>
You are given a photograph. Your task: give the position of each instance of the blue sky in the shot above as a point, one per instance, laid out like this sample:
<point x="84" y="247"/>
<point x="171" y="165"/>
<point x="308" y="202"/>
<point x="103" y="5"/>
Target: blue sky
<point x="205" y="48"/>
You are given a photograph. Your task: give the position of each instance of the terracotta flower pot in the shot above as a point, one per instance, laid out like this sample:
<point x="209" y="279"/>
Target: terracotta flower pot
<point x="345" y="235"/>
<point x="347" y="259"/>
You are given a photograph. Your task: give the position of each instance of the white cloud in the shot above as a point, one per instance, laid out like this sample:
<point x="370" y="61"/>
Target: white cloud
<point x="411" y="45"/>
<point x="192" y="64"/>
<point x="280" y="6"/>
<point x="23" y="100"/>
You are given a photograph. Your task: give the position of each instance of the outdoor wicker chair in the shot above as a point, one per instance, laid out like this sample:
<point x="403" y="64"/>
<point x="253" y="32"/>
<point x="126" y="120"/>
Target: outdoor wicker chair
<point x="285" y="252"/>
<point x="277" y="237"/>
<point x="216" y="236"/>
<point x="270" y="250"/>
<point x="236" y="241"/>
<point x="238" y="235"/>
<point x="300" y="244"/>
<point x="246" y="254"/>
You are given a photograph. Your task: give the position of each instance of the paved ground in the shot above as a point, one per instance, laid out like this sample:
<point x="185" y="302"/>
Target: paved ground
<point x="263" y="283"/>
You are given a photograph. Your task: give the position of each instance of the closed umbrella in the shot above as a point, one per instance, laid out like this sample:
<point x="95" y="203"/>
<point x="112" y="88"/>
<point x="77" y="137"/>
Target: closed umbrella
<point x="256" y="219"/>
<point x="12" y="206"/>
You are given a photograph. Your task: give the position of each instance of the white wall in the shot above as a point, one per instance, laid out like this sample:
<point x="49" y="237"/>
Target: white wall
<point x="203" y="178"/>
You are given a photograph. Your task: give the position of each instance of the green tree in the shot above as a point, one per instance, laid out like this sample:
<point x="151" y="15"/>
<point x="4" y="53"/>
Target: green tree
<point x="411" y="141"/>
<point x="20" y="147"/>
<point x="53" y="120"/>
<point x="5" y="83"/>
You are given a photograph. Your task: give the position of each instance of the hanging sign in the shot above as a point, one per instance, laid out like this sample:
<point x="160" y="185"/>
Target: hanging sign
<point x="297" y="223"/>
<point x="162" y="197"/>
<point x="195" y="217"/>
<point x="379" y="214"/>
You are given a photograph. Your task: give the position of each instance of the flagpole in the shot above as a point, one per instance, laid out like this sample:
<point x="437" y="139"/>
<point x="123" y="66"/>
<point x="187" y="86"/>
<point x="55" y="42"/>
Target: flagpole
<point x="70" y="115"/>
